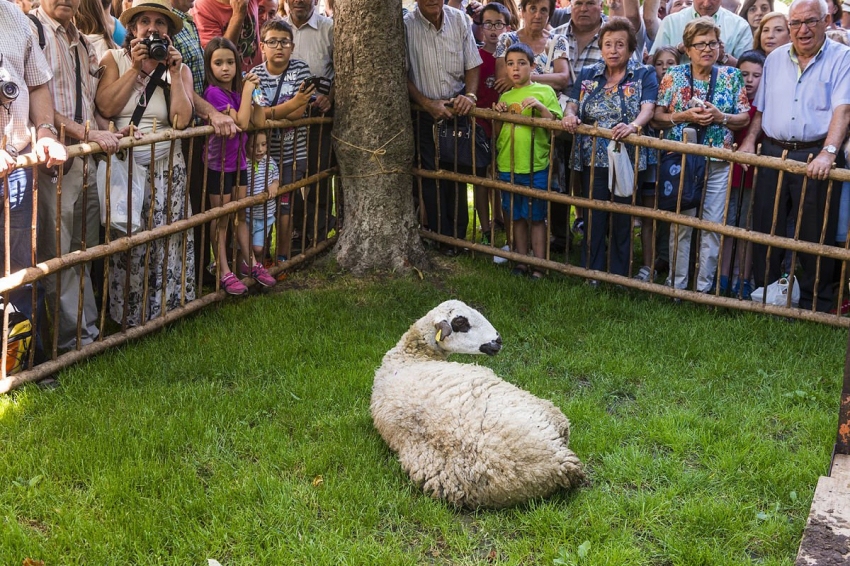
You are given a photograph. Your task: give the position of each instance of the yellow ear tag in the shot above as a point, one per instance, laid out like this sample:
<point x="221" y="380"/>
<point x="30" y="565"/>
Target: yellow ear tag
<point x="439" y="335"/>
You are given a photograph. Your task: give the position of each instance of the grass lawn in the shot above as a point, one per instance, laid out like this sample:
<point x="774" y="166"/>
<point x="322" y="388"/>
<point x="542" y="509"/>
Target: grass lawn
<point x="244" y="434"/>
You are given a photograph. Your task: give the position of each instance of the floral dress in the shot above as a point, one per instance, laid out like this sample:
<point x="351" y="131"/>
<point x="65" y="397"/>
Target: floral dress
<point x="609" y="107"/>
<point x="730" y="97"/>
<point x="542" y="65"/>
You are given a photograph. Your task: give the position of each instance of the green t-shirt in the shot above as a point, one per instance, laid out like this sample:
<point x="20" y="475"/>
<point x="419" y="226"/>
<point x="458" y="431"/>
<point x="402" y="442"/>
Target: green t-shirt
<point x="522" y="134"/>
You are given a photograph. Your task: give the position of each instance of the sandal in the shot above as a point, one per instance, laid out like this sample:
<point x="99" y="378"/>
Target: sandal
<point x="519" y="271"/>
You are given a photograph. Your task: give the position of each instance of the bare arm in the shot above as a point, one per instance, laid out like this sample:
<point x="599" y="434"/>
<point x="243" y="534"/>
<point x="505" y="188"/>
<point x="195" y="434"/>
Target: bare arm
<point x="41" y="112"/>
<point x="234" y="26"/>
<point x="181" y="110"/>
<point x="629" y="9"/>
<point x="559" y="78"/>
<point x="650" y="17"/>
<point x="820" y="166"/>
<point x="749" y="143"/>
<point x="114" y="90"/>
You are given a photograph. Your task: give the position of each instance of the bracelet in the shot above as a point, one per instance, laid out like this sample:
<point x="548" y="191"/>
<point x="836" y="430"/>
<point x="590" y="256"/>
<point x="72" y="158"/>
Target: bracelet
<point x="725" y="119"/>
<point x="672" y="121"/>
<point x="472" y="95"/>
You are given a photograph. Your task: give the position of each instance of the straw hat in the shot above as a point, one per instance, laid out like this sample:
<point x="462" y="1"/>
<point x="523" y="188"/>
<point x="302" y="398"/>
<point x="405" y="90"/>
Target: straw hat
<point x="161" y="6"/>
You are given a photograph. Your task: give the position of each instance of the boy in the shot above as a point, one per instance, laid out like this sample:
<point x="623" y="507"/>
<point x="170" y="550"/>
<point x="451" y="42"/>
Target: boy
<point x="519" y="162"/>
<point x="263" y="175"/>
<point x="750" y="64"/>
<point x="282" y="82"/>
<point x="495" y="20"/>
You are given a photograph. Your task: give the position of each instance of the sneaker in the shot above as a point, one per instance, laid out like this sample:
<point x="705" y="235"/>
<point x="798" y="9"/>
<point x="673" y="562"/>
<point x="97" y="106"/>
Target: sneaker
<point x="232" y="285"/>
<point x="262" y="276"/>
<point x="645" y="274"/>
<point x="747" y="290"/>
<point x="578" y="227"/>
<point x="244" y="270"/>
<point x="724" y="285"/>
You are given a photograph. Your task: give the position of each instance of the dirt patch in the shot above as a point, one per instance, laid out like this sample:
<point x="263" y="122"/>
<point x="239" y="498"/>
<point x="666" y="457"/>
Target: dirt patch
<point x="823" y="546"/>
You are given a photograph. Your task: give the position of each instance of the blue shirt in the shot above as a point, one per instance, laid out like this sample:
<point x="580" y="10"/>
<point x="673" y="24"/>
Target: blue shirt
<point x="799" y="107"/>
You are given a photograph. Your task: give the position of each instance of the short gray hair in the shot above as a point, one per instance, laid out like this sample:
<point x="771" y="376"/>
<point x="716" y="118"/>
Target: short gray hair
<point x="823" y="7"/>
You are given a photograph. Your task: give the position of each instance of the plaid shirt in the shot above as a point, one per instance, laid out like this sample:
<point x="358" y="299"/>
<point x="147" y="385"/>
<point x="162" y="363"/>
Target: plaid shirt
<point x="590" y="55"/>
<point x="188" y="43"/>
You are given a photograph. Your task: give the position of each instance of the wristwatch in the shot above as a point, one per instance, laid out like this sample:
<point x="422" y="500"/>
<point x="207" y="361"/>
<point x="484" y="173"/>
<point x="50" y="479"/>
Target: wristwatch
<point x="831" y="149"/>
<point x="472" y="95"/>
<point x="49" y="127"/>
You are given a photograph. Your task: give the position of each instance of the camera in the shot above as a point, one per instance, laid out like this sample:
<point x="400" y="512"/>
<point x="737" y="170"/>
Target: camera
<point x="8" y="92"/>
<point x="157" y="47"/>
<point x="696" y="103"/>
<point x="470" y="11"/>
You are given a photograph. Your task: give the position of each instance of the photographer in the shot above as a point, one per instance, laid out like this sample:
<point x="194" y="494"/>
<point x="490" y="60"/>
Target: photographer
<point x="27" y="101"/>
<point x="143" y="82"/>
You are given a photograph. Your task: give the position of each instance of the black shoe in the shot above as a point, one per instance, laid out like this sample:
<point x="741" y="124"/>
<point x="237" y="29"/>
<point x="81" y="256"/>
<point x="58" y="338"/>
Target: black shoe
<point x="449" y="251"/>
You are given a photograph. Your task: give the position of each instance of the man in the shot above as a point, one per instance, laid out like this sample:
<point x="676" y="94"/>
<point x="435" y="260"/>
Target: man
<point x="803" y="107"/>
<point x="188" y="42"/>
<point x="443" y="69"/>
<point x="314" y="44"/>
<point x="265" y="10"/>
<point x="735" y="33"/>
<point x="23" y="64"/>
<point x="237" y="20"/>
<point x="74" y="65"/>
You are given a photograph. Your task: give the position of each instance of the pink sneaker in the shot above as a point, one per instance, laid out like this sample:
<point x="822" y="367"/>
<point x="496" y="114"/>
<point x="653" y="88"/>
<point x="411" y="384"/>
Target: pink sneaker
<point x="232" y="285"/>
<point x="262" y="275"/>
<point x="244" y="270"/>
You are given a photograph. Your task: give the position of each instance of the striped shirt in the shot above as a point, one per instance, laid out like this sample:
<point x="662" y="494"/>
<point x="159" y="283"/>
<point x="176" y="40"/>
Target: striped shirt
<point x="188" y="43"/>
<point x="314" y="44"/>
<point x="261" y="174"/>
<point x="23" y="64"/>
<point x="438" y="58"/>
<point x="292" y="77"/>
<point x="62" y="46"/>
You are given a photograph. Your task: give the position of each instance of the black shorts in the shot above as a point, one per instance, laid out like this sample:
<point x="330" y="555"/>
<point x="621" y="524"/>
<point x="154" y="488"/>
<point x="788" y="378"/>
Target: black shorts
<point x="214" y="186"/>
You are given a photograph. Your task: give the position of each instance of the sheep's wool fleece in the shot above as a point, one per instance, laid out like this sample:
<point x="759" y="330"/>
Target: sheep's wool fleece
<point x="462" y="433"/>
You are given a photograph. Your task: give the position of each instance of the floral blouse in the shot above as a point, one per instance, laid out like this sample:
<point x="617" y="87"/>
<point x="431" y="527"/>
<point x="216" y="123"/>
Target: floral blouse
<point x="730" y="97"/>
<point x="609" y="107"/>
<point x="541" y="60"/>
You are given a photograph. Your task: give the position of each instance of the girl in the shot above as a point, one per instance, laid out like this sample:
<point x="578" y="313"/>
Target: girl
<point x="228" y="92"/>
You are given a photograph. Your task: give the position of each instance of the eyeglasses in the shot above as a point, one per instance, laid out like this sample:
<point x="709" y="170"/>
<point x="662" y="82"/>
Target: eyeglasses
<point x="275" y="43"/>
<point x="493" y="25"/>
<point x="810" y="23"/>
<point x="706" y="45"/>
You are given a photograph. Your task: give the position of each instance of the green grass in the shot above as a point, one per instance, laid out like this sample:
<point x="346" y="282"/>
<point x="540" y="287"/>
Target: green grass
<point x="703" y="432"/>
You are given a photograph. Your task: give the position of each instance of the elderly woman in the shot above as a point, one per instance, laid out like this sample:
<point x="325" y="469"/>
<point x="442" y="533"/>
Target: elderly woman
<point x="551" y="66"/>
<point x="754" y="11"/>
<point x="619" y="94"/>
<point x="125" y="95"/>
<point x="724" y="108"/>
<point x="772" y="32"/>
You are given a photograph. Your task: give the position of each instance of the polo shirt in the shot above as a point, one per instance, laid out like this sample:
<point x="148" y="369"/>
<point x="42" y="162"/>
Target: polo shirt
<point x="735" y="32"/>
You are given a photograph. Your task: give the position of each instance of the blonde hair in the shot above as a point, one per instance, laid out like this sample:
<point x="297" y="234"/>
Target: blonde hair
<point x="767" y="17"/>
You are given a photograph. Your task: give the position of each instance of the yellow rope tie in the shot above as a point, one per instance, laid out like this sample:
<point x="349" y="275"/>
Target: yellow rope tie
<point x="375" y="156"/>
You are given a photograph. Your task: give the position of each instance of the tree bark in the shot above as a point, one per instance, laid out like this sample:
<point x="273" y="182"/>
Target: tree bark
<point x="374" y="139"/>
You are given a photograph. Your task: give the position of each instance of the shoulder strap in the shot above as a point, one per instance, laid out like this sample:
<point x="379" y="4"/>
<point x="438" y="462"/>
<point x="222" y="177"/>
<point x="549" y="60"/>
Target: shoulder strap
<point x="701" y="131"/>
<point x="40" y="28"/>
<point x="550" y="52"/>
<point x="155" y="81"/>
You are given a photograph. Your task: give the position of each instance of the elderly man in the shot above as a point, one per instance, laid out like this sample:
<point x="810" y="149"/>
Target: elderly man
<point x="24" y="65"/>
<point x="75" y="70"/>
<point x="443" y="69"/>
<point x="735" y="33"/>
<point x="314" y="44"/>
<point x="804" y="108"/>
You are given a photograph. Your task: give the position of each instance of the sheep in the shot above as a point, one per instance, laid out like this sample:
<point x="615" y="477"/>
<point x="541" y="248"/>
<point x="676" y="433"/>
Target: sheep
<point x="461" y="433"/>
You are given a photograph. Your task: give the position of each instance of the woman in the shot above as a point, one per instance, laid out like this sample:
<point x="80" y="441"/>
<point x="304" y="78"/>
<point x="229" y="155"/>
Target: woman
<point x="772" y="32"/>
<point x="754" y="11"/>
<point x="551" y="64"/>
<point x="617" y="93"/>
<point x="122" y="91"/>
<point x="90" y="20"/>
<point x="724" y="109"/>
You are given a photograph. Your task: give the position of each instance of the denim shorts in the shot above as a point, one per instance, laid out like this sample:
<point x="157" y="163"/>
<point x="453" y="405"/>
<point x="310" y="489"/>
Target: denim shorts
<point x="260" y="230"/>
<point x="537" y="181"/>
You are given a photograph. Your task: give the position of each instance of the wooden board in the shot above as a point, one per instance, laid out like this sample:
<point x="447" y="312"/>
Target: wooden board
<point x="826" y="539"/>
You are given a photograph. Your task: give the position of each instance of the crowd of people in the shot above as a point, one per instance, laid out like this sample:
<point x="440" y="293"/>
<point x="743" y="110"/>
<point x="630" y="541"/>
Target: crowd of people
<point x="735" y="74"/>
<point x="100" y="71"/>
<point x="716" y="71"/>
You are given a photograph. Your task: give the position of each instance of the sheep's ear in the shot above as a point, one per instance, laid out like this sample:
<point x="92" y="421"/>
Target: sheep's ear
<point x="443" y="330"/>
<point x="460" y="324"/>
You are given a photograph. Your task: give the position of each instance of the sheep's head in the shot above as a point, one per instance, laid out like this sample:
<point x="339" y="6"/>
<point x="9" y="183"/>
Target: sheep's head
<point x="460" y="329"/>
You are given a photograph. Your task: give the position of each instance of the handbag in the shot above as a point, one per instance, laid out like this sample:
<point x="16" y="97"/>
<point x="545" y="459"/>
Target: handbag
<point x="621" y="172"/>
<point x="777" y="292"/>
<point x="120" y="210"/>
<point x="463" y="142"/>
<point x="681" y="177"/>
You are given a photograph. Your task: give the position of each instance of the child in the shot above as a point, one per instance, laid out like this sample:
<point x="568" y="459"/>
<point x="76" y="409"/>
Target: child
<point x="264" y="175"/>
<point x="282" y="82"/>
<point x="225" y="159"/>
<point x="518" y="161"/>
<point x="494" y="22"/>
<point x="750" y="64"/>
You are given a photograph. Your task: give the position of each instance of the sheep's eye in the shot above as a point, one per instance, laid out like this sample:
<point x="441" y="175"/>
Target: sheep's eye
<point x="460" y="324"/>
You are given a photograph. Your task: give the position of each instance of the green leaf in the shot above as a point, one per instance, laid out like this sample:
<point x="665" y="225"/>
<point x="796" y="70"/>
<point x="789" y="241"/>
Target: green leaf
<point x="583" y="549"/>
<point x="762" y="516"/>
<point x="793" y="496"/>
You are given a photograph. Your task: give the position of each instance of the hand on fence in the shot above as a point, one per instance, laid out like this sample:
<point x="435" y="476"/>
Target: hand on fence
<point x="322" y="103"/>
<point x="747" y="146"/>
<point x="622" y="130"/>
<point x="462" y="105"/>
<point x="108" y="141"/>
<point x="820" y="166"/>
<point x="6" y="163"/>
<point x="223" y="125"/>
<point x="50" y="151"/>
<point x="571" y="122"/>
<point x="438" y="110"/>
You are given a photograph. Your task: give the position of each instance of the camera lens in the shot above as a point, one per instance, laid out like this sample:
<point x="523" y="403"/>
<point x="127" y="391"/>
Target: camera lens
<point x="8" y="91"/>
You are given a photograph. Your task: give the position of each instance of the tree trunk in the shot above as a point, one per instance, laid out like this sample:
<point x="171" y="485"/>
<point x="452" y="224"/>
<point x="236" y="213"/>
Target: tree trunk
<point x="374" y="139"/>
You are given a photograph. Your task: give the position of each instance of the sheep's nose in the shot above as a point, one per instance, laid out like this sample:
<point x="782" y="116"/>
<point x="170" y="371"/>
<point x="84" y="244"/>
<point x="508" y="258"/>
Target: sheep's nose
<point x="491" y="348"/>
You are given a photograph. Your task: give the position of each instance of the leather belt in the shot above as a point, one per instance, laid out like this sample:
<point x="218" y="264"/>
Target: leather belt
<point x="793" y="146"/>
